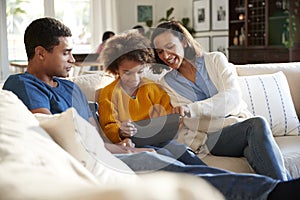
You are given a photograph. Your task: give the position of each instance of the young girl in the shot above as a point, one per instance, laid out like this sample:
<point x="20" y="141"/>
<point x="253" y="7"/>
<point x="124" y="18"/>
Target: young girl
<point x="131" y="97"/>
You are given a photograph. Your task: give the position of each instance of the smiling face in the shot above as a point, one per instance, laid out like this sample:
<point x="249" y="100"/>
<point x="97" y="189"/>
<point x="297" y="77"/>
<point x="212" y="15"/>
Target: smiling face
<point x="169" y="49"/>
<point x="131" y="73"/>
<point x="58" y="62"/>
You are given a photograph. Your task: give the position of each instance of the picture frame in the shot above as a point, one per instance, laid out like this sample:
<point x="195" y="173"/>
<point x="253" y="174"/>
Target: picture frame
<point x="201" y="15"/>
<point x="204" y="42"/>
<point x="144" y="13"/>
<point x="219" y="14"/>
<point x="220" y="43"/>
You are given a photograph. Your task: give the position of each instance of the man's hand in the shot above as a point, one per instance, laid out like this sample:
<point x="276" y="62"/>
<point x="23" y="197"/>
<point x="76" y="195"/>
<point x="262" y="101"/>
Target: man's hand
<point x="127" y="142"/>
<point x="120" y="149"/>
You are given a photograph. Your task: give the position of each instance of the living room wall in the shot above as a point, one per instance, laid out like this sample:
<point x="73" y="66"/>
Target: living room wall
<point x="127" y="11"/>
<point x="211" y="39"/>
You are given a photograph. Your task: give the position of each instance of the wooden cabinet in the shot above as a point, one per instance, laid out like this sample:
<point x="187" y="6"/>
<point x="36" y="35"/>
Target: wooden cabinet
<point x="258" y="31"/>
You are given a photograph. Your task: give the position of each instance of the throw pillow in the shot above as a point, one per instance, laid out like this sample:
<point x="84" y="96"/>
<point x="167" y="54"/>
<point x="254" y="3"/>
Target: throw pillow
<point x="78" y="137"/>
<point x="269" y="96"/>
<point x="32" y="166"/>
<point x="89" y="83"/>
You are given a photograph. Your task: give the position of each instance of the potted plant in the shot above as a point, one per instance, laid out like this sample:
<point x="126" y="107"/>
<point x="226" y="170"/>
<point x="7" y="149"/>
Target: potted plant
<point x="293" y="23"/>
<point x="184" y="21"/>
<point x="293" y="27"/>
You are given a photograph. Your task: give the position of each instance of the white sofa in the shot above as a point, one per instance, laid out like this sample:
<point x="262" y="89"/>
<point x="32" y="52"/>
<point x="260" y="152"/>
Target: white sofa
<point x="271" y="96"/>
<point x="33" y="166"/>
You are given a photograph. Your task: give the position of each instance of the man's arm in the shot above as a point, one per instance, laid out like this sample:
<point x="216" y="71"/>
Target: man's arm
<point x="120" y="149"/>
<point x="41" y="110"/>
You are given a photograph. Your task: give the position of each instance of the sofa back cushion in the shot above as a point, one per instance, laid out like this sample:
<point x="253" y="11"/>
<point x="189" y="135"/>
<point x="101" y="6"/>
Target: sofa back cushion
<point x="269" y="96"/>
<point x="291" y="71"/>
<point x="78" y="137"/>
<point x="90" y="83"/>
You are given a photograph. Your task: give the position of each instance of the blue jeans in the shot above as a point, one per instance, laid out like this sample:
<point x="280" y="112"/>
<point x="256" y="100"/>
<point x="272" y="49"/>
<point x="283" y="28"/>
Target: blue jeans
<point x="177" y="151"/>
<point x="231" y="185"/>
<point x="252" y="139"/>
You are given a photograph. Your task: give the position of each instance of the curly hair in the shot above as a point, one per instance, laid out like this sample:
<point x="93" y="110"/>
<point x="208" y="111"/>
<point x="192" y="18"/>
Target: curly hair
<point x="44" y="32"/>
<point x="130" y="46"/>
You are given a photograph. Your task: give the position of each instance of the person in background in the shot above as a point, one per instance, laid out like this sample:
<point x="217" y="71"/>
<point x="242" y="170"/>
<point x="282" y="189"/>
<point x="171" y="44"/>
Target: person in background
<point x="140" y="28"/>
<point x="216" y="118"/>
<point x="106" y="35"/>
<point x="131" y="97"/>
<point x="48" y="47"/>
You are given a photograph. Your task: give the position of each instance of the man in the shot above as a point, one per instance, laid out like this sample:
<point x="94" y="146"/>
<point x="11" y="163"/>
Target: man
<point x="49" y="51"/>
<point x="48" y="48"/>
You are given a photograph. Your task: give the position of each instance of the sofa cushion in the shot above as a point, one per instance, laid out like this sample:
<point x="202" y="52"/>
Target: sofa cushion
<point x="269" y="96"/>
<point x="30" y="162"/>
<point x="78" y="137"/>
<point x="290" y="149"/>
<point x="90" y="83"/>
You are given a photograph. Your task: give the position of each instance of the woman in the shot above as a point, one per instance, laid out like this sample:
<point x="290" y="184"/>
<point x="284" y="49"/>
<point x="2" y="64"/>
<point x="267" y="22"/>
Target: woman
<point x="217" y="120"/>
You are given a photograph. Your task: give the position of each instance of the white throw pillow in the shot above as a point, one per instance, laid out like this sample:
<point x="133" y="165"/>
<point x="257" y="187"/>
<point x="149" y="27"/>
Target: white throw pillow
<point x="89" y="83"/>
<point x="269" y="96"/>
<point x="78" y="137"/>
<point x="33" y="166"/>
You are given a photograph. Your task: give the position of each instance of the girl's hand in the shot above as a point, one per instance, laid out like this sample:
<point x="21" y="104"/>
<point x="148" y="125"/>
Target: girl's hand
<point x="182" y="111"/>
<point x="127" y="129"/>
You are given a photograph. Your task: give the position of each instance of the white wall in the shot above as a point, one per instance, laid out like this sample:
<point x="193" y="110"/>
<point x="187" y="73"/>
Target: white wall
<point x="127" y="11"/>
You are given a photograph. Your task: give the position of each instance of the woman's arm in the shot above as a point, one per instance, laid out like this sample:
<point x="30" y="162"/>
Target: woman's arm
<point x="228" y="100"/>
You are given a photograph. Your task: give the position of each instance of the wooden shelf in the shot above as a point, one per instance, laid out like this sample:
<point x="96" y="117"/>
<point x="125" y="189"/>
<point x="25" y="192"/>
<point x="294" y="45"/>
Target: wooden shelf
<point x="264" y="25"/>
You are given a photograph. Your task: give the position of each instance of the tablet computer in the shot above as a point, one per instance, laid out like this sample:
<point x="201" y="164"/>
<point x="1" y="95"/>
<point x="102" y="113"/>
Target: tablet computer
<point x="156" y="130"/>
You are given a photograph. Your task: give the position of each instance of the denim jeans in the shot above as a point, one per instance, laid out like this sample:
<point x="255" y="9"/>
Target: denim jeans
<point x="252" y="139"/>
<point x="231" y="185"/>
<point x="177" y="151"/>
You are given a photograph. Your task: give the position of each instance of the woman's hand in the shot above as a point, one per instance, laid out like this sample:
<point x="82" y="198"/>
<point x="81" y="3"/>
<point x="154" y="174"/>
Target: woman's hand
<point x="182" y="111"/>
<point x="127" y="129"/>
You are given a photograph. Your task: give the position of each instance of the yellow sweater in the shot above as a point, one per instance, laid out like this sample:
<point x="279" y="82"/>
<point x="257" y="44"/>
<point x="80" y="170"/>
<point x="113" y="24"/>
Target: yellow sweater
<point x="116" y="106"/>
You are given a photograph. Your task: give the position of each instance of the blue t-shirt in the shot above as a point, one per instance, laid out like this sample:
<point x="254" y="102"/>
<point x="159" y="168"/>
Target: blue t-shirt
<point x="36" y="94"/>
<point x="202" y="89"/>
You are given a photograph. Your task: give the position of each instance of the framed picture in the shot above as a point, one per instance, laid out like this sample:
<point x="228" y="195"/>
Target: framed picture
<point x="220" y="43"/>
<point x="204" y="42"/>
<point x="144" y="13"/>
<point x="219" y="14"/>
<point x="201" y="15"/>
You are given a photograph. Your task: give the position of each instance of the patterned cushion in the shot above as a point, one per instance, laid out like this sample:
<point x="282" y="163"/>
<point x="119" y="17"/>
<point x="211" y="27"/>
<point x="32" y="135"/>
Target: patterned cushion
<point x="269" y="96"/>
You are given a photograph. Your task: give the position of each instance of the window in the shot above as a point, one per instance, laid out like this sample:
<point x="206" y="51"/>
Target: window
<point x="19" y="15"/>
<point x="77" y="18"/>
<point x="74" y="13"/>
